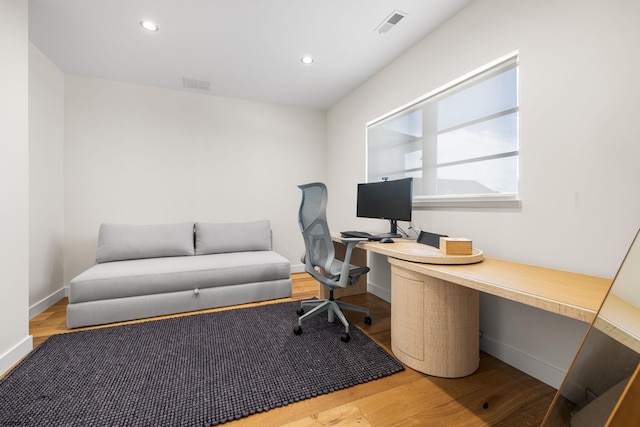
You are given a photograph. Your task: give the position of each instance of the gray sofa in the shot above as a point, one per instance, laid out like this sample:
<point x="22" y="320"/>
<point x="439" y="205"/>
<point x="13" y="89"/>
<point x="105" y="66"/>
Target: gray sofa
<point x="152" y="270"/>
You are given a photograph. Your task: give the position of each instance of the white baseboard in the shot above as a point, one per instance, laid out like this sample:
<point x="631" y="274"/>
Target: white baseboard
<point x="383" y="293"/>
<point x="46" y="302"/>
<point x="13" y="356"/>
<point x="297" y="268"/>
<point x="538" y="369"/>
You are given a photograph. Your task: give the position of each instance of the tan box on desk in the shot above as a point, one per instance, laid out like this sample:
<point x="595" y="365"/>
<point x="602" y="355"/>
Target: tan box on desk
<point x="455" y="246"/>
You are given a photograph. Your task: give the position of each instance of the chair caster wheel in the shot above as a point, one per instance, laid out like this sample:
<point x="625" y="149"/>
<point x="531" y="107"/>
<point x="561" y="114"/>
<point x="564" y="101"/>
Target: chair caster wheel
<point x="300" y="311"/>
<point x="345" y="338"/>
<point x="297" y="330"/>
<point x="367" y="320"/>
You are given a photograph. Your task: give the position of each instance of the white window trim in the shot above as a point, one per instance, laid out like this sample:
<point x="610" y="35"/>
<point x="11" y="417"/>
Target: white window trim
<point x="473" y="201"/>
<point x="445" y="87"/>
<point x="501" y="201"/>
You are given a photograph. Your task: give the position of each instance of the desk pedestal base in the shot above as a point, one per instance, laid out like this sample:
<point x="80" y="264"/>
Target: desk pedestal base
<point x="434" y="324"/>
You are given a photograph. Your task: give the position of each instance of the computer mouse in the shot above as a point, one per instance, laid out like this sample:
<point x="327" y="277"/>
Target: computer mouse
<point x="386" y="240"/>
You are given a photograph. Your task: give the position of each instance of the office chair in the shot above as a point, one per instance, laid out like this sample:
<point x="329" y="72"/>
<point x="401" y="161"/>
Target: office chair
<point x="320" y="262"/>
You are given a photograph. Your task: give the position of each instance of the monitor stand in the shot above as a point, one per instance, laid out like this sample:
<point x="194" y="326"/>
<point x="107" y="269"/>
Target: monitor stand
<point x="393" y="232"/>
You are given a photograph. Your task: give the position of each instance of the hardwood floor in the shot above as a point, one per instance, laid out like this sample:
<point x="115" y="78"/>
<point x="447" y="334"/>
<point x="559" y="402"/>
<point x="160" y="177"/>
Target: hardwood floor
<point x="496" y="395"/>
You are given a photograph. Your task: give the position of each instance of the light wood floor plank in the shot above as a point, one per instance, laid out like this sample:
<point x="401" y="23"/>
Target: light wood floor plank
<point x="496" y="395"/>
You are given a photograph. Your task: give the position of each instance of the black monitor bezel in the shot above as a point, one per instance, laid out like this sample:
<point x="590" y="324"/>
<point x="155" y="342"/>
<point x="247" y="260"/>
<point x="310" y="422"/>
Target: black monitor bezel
<point x="386" y="207"/>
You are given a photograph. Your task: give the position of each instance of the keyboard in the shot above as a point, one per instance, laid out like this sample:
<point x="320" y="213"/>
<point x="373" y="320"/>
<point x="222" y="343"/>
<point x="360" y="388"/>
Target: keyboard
<point x="360" y="235"/>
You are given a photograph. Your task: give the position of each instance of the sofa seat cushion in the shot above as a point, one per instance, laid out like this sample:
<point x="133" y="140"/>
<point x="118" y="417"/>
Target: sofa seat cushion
<point x="121" y="279"/>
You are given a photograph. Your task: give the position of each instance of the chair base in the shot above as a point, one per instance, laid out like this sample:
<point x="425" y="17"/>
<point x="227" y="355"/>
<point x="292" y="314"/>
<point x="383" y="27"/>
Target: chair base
<point x="334" y="308"/>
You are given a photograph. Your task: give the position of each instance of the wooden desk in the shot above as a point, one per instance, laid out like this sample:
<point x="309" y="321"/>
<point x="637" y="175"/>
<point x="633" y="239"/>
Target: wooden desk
<point x="410" y="250"/>
<point x="404" y="249"/>
<point x="620" y="320"/>
<point x="435" y="307"/>
<point x="569" y="294"/>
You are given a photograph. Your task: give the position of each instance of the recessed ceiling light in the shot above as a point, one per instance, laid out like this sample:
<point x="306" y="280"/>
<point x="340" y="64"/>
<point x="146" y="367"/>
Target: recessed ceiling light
<point x="306" y="60"/>
<point x="149" y="25"/>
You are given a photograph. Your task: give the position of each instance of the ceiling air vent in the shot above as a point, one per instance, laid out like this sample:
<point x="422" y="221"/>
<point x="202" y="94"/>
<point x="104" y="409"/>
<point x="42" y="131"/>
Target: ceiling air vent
<point x="391" y="20"/>
<point x="188" y="83"/>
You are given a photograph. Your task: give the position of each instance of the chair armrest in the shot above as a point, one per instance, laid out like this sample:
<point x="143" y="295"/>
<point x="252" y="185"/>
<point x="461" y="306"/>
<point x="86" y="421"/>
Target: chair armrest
<point x="351" y="243"/>
<point x="357" y="240"/>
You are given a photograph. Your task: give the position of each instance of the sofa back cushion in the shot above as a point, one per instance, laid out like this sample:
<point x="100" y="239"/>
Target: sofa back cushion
<point x="239" y="237"/>
<point x="119" y="242"/>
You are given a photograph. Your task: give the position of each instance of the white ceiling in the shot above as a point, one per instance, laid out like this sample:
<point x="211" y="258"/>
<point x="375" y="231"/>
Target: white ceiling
<point x="246" y="49"/>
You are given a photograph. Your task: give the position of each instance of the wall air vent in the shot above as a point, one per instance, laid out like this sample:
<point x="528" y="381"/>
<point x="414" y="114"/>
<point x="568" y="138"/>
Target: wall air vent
<point x="188" y="83"/>
<point x="390" y="22"/>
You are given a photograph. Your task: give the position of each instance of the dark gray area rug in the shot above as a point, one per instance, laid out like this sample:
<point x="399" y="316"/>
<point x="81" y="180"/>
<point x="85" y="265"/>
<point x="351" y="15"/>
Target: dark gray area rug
<point x="198" y="370"/>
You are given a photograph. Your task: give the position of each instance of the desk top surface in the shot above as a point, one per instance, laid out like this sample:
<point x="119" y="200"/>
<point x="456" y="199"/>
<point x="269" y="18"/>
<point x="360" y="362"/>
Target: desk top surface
<point x="410" y="250"/>
<point x="620" y="320"/>
<point x="574" y="295"/>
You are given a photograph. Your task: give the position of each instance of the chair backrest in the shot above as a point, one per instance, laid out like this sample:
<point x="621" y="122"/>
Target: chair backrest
<point x="312" y="219"/>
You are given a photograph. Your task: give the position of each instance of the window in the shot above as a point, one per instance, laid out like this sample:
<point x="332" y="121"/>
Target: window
<point x="459" y="143"/>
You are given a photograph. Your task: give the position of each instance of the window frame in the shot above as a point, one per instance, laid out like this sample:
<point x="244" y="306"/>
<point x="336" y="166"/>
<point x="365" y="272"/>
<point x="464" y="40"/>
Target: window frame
<point x="491" y="200"/>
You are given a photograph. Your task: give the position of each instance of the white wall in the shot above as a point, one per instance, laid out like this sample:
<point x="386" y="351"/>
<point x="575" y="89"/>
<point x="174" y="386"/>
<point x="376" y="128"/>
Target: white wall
<point x="15" y="341"/>
<point x="145" y="155"/>
<point x="579" y="101"/>
<point x="46" y="198"/>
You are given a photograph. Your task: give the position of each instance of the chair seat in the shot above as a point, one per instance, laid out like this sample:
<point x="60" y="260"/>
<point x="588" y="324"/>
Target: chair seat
<point x="354" y="272"/>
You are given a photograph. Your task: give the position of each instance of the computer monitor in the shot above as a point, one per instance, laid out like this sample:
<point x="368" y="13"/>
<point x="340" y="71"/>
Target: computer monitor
<point x="390" y="200"/>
